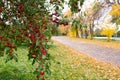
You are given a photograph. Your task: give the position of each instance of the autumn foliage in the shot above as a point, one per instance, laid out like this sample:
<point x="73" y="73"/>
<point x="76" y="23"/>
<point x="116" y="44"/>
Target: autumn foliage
<point x="108" y="32"/>
<point x="115" y="10"/>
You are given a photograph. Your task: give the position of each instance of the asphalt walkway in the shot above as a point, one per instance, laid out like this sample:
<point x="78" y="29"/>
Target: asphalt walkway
<point x="99" y="52"/>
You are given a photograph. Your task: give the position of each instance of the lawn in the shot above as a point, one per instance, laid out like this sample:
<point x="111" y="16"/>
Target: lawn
<point x="21" y="70"/>
<point x="66" y="64"/>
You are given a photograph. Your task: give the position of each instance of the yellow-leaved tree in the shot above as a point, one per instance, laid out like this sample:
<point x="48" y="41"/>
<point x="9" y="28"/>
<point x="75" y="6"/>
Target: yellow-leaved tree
<point x="115" y="10"/>
<point x="108" y="32"/>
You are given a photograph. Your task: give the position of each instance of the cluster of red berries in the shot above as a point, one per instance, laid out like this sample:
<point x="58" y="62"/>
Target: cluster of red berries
<point x="12" y="47"/>
<point x="43" y="51"/>
<point x="20" y="8"/>
<point x="41" y="75"/>
<point x="1" y="39"/>
<point x="56" y="20"/>
<point x="1" y="10"/>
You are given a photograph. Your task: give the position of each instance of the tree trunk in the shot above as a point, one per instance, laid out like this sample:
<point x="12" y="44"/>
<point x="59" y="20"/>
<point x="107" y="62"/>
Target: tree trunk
<point x="86" y="34"/>
<point x="77" y="34"/>
<point x="91" y="31"/>
<point x="118" y="2"/>
<point x="81" y="32"/>
<point x="108" y="38"/>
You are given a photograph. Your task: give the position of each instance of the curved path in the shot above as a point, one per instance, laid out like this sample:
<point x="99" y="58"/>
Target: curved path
<point x="94" y="50"/>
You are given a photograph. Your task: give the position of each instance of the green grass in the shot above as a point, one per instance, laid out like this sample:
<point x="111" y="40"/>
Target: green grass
<point x="21" y="70"/>
<point x="105" y="40"/>
<point x="66" y="64"/>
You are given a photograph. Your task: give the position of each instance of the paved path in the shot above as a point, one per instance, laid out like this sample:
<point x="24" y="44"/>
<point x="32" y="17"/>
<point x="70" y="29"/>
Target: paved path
<point x="97" y="51"/>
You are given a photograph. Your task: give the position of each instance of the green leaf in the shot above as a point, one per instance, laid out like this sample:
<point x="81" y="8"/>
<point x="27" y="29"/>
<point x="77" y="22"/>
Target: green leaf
<point x="7" y="49"/>
<point x="48" y="56"/>
<point x="15" y="58"/>
<point x="1" y="53"/>
<point x="81" y="2"/>
<point x="8" y="58"/>
<point x="37" y="42"/>
<point x="48" y="71"/>
<point x="29" y="56"/>
<point x="33" y="62"/>
<point x="2" y="47"/>
<point x="40" y="68"/>
<point x="36" y="72"/>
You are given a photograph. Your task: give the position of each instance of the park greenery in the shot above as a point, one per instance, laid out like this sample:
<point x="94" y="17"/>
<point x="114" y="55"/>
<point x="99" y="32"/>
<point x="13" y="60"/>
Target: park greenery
<point x="30" y="24"/>
<point x="87" y="23"/>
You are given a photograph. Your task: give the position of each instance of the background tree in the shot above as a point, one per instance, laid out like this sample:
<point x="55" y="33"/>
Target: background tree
<point x="93" y="14"/>
<point x="107" y="31"/>
<point x="116" y="15"/>
<point x="75" y="26"/>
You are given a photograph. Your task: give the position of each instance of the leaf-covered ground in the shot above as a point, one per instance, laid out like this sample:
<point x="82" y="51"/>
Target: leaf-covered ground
<point x="66" y="64"/>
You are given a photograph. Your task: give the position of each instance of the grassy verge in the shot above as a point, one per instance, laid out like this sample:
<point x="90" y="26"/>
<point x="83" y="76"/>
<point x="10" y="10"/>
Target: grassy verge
<point x="66" y="64"/>
<point x="112" y="43"/>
